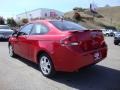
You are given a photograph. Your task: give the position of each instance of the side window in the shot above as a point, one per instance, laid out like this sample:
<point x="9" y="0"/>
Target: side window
<point x="39" y="29"/>
<point x="44" y="29"/>
<point x="26" y="29"/>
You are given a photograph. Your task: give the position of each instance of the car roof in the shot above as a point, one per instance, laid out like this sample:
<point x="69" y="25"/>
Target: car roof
<point x="46" y="20"/>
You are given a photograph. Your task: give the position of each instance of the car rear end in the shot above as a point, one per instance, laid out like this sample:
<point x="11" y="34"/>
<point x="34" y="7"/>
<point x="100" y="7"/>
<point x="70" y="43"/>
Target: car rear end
<point x="117" y="38"/>
<point x="79" y="48"/>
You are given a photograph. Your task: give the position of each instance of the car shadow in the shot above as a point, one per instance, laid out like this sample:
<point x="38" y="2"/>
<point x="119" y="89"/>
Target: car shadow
<point x="3" y="40"/>
<point x="29" y="63"/>
<point x="93" y="78"/>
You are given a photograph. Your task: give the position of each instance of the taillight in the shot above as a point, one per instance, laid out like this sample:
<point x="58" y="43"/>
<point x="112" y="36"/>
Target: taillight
<point x="70" y="41"/>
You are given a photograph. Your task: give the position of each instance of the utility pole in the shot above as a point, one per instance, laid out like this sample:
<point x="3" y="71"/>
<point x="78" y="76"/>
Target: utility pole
<point x="93" y="9"/>
<point x="111" y="20"/>
<point x="26" y="14"/>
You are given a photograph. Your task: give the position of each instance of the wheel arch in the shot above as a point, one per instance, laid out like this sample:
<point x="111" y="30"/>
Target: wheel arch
<point x="41" y="52"/>
<point x="53" y="70"/>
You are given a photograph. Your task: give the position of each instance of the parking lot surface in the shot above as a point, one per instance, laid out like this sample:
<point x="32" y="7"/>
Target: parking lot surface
<point x="19" y="74"/>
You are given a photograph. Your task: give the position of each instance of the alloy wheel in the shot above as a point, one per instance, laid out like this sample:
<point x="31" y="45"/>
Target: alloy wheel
<point x="11" y="51"/>
<point x="45" y="65"/>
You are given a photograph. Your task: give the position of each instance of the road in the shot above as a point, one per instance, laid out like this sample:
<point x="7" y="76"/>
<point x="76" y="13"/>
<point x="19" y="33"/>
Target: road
<point x="19" y="74"/>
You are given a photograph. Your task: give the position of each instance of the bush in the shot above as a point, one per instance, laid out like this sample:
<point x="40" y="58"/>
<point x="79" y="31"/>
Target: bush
<point x="79" y="9"/>
<point x="11" y="22"/>
<point x="77" y="16"/>
<point x="118" y="26"/>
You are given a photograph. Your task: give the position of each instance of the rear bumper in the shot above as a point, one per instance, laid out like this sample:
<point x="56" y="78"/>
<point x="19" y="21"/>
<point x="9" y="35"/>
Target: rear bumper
<point x="71" y="61"/>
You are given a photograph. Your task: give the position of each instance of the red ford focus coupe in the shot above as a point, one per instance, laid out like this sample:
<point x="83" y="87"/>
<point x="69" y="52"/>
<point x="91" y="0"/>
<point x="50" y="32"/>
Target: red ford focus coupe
<point x="58" y="45"/>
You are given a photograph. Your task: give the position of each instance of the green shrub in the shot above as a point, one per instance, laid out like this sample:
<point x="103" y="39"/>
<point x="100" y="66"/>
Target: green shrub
<point x="11" y="22"/>
<point x="77" y="16"/>
<point x="79" y="9"/>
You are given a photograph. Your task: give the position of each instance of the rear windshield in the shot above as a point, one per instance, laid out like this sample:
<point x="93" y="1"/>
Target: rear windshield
<point x="4" y="27"/>
<point x="67" y="25"/>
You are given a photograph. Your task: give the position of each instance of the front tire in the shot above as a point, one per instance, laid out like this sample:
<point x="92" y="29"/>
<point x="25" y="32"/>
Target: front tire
<point x="46" y="66"/>
<point x="11" y="51"/>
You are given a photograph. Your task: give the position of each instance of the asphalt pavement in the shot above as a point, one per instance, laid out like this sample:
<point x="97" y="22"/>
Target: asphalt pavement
<point x="20" y="74"/>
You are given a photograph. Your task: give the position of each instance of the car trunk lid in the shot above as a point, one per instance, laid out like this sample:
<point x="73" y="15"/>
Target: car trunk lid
<point x="87" y="39"/>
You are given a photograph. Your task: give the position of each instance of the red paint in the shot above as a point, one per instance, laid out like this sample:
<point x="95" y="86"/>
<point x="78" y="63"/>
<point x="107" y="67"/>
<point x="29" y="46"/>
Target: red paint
<point x="69" y="50"/>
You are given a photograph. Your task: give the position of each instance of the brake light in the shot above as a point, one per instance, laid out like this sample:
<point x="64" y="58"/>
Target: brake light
<point x="70" y="41"/>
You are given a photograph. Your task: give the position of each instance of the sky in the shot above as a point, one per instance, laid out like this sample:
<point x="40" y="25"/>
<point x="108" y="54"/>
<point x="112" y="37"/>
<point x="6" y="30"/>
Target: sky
<point x="10" y="8"/>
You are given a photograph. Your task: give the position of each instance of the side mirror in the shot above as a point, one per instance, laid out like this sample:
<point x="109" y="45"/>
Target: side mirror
<point x="15" y="33"/>
<point x="20" y="33"/>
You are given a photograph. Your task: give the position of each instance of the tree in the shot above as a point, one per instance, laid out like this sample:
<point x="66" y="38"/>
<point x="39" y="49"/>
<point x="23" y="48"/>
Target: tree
<point x="2" y="21"/>
<point x="24" y="20"/>
<point x="11" y="22"/>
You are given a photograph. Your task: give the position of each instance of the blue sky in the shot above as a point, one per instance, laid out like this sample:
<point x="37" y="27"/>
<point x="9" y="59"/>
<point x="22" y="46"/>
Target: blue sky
<point x="10" y="8"/>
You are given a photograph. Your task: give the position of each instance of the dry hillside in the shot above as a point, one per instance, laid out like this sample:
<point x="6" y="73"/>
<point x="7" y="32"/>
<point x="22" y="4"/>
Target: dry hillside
<point x="111" y="14"/>
<point x="111" y="17"/>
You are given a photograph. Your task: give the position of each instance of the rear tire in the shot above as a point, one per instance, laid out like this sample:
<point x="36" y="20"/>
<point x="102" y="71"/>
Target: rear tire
<point x="46" y="66"/>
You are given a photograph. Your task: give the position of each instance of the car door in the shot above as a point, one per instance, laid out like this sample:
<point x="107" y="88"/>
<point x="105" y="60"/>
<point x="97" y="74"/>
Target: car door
<point x="22" y="41"/>
<point x="36" y="36"/>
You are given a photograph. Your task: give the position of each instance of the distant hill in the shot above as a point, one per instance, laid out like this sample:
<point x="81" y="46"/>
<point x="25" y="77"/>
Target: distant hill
<point x="111" y="14"/>
<point x="110" y="17"/>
